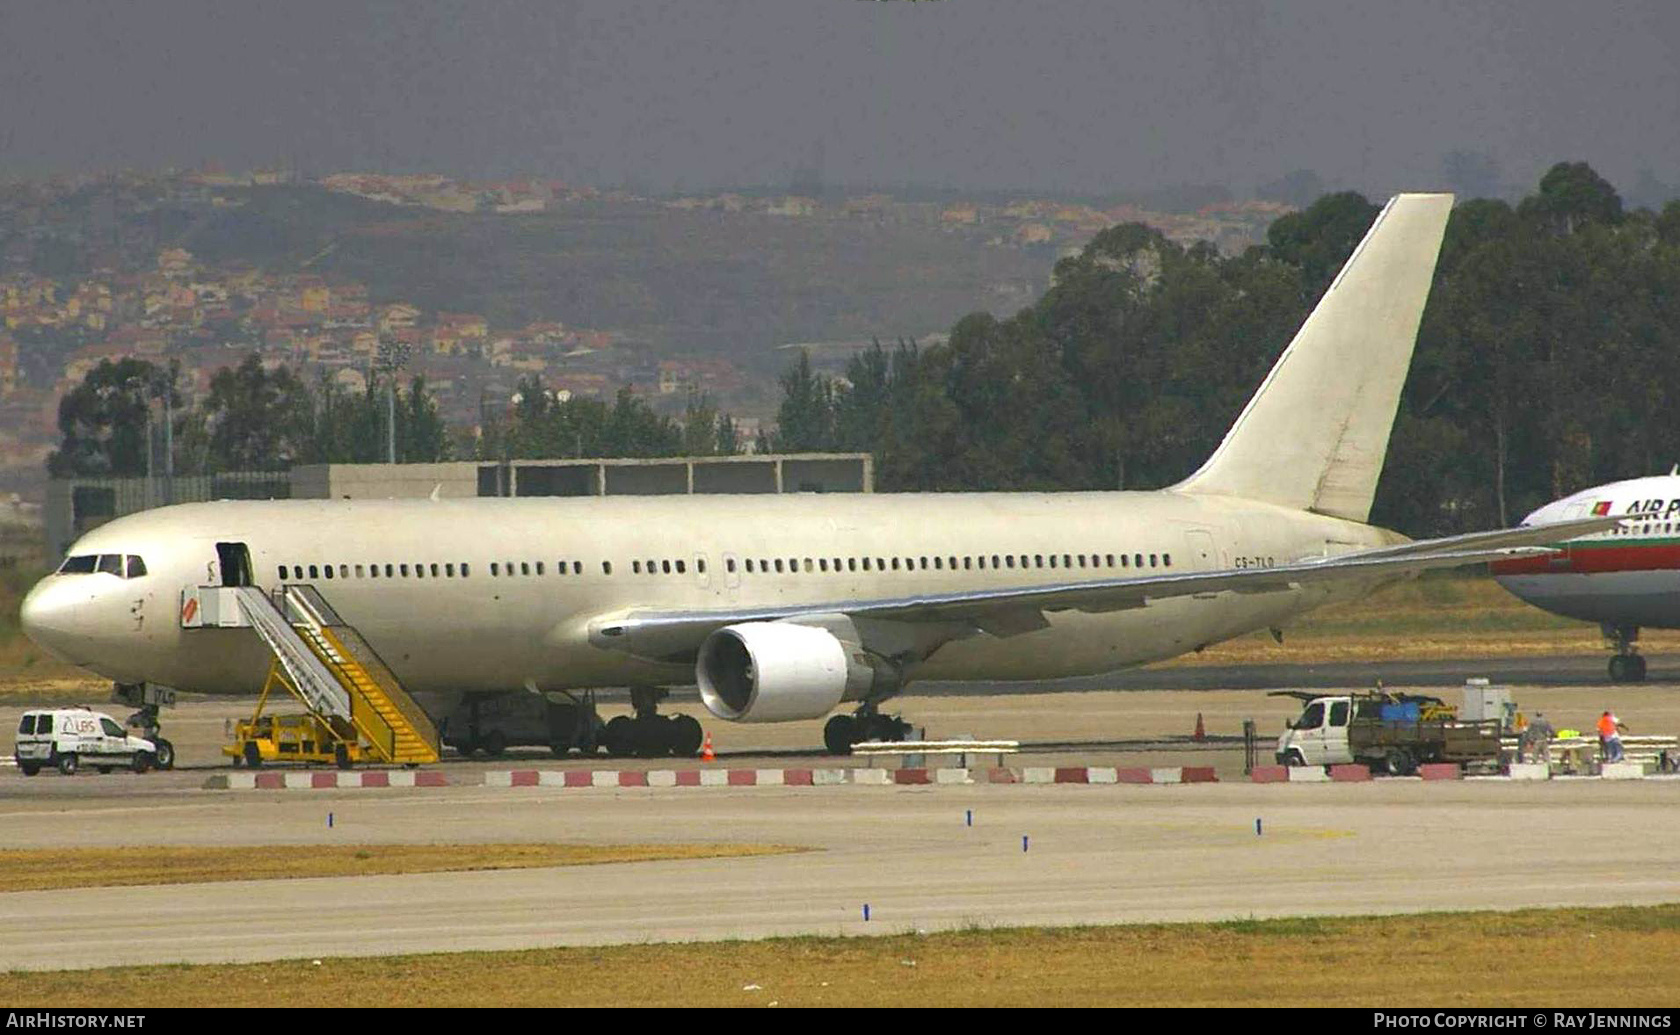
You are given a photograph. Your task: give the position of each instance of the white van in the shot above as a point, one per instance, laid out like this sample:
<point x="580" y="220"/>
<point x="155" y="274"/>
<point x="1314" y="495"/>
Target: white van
<point x="68" y="737"/>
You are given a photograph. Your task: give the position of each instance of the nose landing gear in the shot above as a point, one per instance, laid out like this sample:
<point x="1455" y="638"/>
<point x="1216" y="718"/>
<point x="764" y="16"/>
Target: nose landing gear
<point x="148" y="699"/>
<point x="1627" y="665"/>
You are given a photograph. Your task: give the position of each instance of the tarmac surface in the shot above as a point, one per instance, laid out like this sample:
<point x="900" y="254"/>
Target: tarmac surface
<point x="1096" y="854"/>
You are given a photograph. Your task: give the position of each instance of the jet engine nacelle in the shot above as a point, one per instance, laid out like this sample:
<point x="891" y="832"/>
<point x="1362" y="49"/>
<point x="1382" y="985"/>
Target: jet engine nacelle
<point x="778" y="672"/>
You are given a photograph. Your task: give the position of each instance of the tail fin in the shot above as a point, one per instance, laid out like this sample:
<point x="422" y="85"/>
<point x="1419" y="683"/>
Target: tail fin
<point x="1315" y="434"/>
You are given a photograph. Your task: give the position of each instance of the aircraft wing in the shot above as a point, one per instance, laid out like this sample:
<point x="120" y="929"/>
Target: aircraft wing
<point x="674" y="636"/>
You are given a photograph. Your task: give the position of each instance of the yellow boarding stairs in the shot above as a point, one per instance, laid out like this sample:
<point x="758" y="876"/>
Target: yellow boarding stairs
<point x="328" y="666"/>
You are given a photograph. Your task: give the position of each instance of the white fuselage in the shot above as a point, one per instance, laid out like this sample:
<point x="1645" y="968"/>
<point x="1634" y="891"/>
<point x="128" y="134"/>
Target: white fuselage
<point x="1628" y="576"/>
<point x="518" y="581"/>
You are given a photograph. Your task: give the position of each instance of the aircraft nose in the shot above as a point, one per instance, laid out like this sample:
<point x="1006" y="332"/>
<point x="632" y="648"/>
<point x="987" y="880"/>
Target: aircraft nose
<point x="48" y="616"/>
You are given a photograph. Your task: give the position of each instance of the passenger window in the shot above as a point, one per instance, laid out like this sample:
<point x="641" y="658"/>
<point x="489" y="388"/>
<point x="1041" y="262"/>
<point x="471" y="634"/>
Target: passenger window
<point x="682" y="569"/>
<point x="449" y="570"/>
<point x="419" y="571"/>
<point x="635" y="567"/>
<point x="466" y="569"/>
<point x="808" y="566"/>
<point x="606" y="567"/>
<point x="1009" y="560"/>
<point x="1339" y="713"/>
<point x="404" y="569"/>
<point x="895" y="564"/>
<point x="136" y="566"/>
<point x="313" y="572"/>
<point x="778" y="565"/>
<point x="373" y="571"/>
<point x="749" y="565"/>
<point x="823" y="563"/>
<point x="851" y="563"/>
<point x="1166" y="560"/>
<point x="729" y="564"/>
<point x="44" y="724"/>
<point x="110" y="728"/>
<point x="524" y="568"/>
<point x="1137" y="560"/>
<point x="866" y="566"/>
<point x="700" y="565"/>
<point x="938" y="564"/>
<point x="1038" y="560"/>
<point x="110" y="564"/>
<point x="387" y="571"/>
<point x="282" y="573"/>
<point x="577" y="567"/>
<point x="1312" y="718"/>
<point x="665" y="567"/>
<point x="953" y="561"/>
<point x="1110" y="560"/>
<point x="1081" y="560"/>
<point x="358" y="571"/>
<point x="1052" y="560"/>
<point x="495" y="569"/>
<point x="1152" y="560"/>
<point x="326" y="569"/>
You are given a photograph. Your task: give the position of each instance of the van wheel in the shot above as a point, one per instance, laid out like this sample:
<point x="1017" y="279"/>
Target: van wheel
<point x="141" y="762"/>
<point x="494" y="744"/>
<point x="164" y="757"/>
<point x="29" y="768"/>
<point x="253" y="755"/>
<point x="1295" y="760"/>
<point x="67" y="764"/>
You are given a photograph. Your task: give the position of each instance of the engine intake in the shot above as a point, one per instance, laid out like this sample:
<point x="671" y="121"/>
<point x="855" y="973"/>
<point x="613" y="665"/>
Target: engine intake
<point x="778" y="672"/>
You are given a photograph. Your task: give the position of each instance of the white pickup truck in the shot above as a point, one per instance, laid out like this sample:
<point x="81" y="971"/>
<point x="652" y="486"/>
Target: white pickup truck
<point x="1393" y="732"/>
<point x="67" y="737"/>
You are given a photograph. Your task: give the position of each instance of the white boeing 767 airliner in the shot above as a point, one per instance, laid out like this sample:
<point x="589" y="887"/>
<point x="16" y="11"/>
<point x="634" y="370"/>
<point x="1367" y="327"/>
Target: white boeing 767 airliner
<point x="784" y="607"/>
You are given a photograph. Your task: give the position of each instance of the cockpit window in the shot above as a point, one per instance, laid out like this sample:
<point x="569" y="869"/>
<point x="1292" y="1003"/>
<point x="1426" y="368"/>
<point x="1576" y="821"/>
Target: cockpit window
<point x="123" y="566"/>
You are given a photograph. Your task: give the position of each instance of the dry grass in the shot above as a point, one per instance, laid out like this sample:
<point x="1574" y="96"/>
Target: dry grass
<point x="37" y="869"/>
<point x="1433" y="617"/>
<point x="1625" y="957"/>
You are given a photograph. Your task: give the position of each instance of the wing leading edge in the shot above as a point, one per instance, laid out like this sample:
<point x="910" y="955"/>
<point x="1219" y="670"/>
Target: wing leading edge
<point x="674" y="636"/>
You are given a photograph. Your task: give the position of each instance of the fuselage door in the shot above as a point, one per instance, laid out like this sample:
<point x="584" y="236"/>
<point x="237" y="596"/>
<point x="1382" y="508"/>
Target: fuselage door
<point x="234" y="562"/>
<point x="1203" y="552"/>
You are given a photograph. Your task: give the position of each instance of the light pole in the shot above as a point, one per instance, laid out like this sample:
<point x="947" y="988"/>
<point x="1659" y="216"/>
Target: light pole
<point x="393" y="356"/>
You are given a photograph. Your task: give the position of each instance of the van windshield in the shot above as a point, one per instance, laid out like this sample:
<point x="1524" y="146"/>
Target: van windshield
<point x="1312" y="718"/>
<point x="27" y="725"/>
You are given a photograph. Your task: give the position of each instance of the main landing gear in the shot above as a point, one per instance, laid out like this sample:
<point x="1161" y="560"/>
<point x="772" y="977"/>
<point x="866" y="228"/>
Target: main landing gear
<point x="145" y="722"/>
<point x="648" y="734"/>
<point x="1627" y="665"/>
<point x="867" y="723"/>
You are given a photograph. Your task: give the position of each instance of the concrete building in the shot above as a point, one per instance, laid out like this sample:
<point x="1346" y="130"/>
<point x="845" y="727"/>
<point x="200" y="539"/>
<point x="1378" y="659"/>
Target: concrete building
<point x="76" y="505"/>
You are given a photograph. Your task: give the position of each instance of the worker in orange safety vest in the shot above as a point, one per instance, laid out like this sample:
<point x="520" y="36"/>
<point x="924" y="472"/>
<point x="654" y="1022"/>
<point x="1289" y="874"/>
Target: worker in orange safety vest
<point x="1610" y="730"/>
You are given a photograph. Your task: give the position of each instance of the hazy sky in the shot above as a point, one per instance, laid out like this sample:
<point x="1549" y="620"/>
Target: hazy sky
<point x="1092" y="96"/>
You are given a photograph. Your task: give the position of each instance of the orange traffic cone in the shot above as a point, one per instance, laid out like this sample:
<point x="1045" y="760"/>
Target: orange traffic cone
<point x="1200" y="734"/>
<point x="706" y="750"/>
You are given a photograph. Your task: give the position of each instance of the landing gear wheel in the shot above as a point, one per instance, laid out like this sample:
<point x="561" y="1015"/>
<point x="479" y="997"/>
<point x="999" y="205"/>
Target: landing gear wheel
<point x="495" y="743"/>
<point x="253" y="755"/>
<point x="651" y="736"/>
<point x="141" y="762"/>
<point x="839" y="734"/>
<point x="619" y="736"/>
<point x="1627" y="668"/>
<point x="164" y="757"/>
<point x="67" y="764"/>
<point x="686" y="736"/>
<point x="341" y="756"/>
<point x="559" y="750"/>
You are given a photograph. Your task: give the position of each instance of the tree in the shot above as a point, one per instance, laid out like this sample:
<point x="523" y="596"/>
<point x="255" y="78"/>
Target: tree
<point x="1571" y="196"/>
<point x="104" y="420"/>
<point x="805" y="420"/>
<point x="257" y="419"/>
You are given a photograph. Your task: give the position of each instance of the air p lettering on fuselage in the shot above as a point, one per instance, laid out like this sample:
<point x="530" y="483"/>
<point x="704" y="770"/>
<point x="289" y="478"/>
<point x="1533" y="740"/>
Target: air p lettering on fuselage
<point x="1654" y="508"/>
